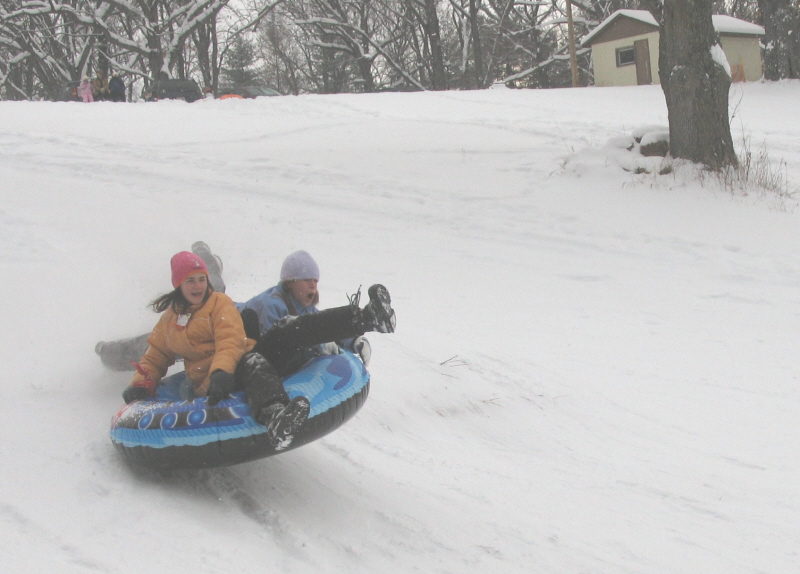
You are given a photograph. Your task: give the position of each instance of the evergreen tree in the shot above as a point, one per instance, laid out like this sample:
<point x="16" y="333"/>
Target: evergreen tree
<point x="239" y="64"/>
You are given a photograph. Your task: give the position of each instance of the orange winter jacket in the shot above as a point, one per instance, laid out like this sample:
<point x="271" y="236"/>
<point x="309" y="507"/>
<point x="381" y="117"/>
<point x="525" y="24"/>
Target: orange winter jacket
<point x="212" y="339"/>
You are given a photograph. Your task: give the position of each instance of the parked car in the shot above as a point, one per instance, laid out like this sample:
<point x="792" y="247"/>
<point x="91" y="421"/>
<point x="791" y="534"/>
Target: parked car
<point x="173" y="90"/>
<point x="248" y="92"/>
<point x="69" y="92"/>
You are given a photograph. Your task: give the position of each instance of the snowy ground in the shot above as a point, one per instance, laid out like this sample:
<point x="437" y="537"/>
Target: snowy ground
<point x="594" y="372"/>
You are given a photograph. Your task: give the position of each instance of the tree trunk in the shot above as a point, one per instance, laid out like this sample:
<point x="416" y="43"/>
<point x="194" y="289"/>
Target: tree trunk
<point x="152" y="38"/>
<point x="216" y="64"/>
<point x="695" y="84"/>
<point x="477" y="52"/>
<point x="365" y="71"/>
<point x="102" y="53"/>
<point x="365" y="64"/>
<point x="202" y="40"/>
<point x="782" y="39"/>
<point x="433" y="32"/>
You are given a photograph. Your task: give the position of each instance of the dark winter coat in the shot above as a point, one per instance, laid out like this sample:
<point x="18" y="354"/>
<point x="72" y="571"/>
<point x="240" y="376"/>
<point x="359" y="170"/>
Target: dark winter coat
<point x="116" y="85"/>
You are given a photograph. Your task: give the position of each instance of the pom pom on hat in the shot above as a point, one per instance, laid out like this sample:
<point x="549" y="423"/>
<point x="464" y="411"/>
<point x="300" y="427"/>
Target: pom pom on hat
<point x="184" y="264"/>
<point x="299" y="265"/>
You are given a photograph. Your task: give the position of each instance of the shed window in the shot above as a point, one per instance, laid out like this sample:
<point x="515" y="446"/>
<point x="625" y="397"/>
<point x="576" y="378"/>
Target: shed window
<point x="625" y="56"/>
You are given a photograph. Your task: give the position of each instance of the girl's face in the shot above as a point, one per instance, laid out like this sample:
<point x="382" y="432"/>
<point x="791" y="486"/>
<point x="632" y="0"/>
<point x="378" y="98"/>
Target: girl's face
<point x="194" y="287"/>
<point x="304" y="291"/>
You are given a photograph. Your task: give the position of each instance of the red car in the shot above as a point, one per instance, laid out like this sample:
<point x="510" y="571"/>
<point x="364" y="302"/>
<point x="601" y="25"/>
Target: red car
<point x="247" y="92"/>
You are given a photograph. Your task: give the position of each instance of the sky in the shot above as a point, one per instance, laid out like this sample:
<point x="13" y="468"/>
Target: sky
<point x="593" y="370"/>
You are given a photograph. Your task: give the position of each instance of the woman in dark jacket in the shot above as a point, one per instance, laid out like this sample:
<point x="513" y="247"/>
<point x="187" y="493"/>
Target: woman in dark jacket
<point x="116" y="88"/>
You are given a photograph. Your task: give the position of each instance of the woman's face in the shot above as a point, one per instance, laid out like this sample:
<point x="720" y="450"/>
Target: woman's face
<point x="304" y="291"/>
<point x="194" y="287"/>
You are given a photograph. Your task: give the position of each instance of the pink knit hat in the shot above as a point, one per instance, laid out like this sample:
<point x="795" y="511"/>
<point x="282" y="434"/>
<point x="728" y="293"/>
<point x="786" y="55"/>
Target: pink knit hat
<point x="184" y="264"/>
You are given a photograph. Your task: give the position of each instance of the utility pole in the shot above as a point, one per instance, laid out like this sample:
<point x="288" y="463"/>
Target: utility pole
<point x="573" y="58"/>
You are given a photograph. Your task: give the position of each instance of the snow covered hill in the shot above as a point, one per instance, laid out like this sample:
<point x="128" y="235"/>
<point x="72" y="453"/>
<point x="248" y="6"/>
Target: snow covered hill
<point x="593" y="371"/>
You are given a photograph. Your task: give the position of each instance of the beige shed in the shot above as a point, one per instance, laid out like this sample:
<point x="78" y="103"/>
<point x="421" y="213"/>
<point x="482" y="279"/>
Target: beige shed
<point x="625" y="48"/>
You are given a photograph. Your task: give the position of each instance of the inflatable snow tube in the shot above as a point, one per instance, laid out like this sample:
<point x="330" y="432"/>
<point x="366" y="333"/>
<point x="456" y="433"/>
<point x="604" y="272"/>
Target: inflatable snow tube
<point x="169" y="433"/>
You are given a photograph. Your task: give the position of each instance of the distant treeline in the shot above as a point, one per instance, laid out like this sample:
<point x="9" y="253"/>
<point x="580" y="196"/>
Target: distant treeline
<point x="323" y="46"/>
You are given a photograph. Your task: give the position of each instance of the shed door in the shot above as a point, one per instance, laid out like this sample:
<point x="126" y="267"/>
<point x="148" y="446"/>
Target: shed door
<point x="641" y="50"/>
<point x="737" y="72"/>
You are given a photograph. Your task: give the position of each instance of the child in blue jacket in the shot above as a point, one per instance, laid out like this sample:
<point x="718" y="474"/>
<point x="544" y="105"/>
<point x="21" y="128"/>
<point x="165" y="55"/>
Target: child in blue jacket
<point x="295" y="295"/>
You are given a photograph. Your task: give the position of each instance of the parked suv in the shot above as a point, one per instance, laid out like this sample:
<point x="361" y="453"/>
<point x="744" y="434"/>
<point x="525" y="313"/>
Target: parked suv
<point x="173" y="90"/>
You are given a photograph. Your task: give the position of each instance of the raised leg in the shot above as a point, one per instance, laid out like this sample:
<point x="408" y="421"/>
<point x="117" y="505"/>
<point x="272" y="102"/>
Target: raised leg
<point x="117" y="355"/>
<point x="286" y="340"/>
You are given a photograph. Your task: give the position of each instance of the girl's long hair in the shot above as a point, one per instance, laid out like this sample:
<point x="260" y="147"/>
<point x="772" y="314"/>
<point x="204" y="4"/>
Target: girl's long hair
<point x="176" y="300"/>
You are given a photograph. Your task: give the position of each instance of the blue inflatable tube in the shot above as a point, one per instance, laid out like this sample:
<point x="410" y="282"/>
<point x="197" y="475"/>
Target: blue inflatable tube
<point x="169" y="433"/>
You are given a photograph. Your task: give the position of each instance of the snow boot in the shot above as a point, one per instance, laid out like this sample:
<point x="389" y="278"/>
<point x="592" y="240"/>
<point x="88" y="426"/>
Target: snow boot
<point x="283" y="421"/>
<point x="214" y="264"/>
<point x="269" y="403"/>
<point x="378" y="314"/>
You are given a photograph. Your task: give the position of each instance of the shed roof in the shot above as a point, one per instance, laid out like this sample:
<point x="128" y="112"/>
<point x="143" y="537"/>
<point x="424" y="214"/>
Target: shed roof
<point x="722" y="24"/>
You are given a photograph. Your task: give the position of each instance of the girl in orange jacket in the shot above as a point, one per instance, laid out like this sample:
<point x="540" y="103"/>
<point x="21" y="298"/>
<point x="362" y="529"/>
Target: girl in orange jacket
<point x="198" y="324"/>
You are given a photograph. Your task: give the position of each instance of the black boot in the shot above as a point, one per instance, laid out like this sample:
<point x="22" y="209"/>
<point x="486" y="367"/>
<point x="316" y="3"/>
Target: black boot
<point x="378" y="314"/>
<point x="283" y="422"/>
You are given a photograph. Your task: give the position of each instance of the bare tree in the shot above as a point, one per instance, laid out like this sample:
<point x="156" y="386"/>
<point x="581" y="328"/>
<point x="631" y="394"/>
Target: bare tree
<point x="326" y="46"/>
<point x="425" y="40"/>
<point x="695" y="77"/>
<point x="282" y="55"/>
<point x="519" y="42"/>
<point x="40" y="47"/>
<point x="599" y="10"/>
<point x="744" y="9"/>
<point x="361" y="35"/>
<point x="50" y="41"/>
<point x="430" y="24"/>
<point x="207" y="48"/>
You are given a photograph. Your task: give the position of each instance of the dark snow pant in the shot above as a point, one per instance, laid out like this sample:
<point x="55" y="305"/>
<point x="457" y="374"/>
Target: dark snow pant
<point x="276" y="354"/>
<point x="284" y="342"/>
<point x="260" y="382"/>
